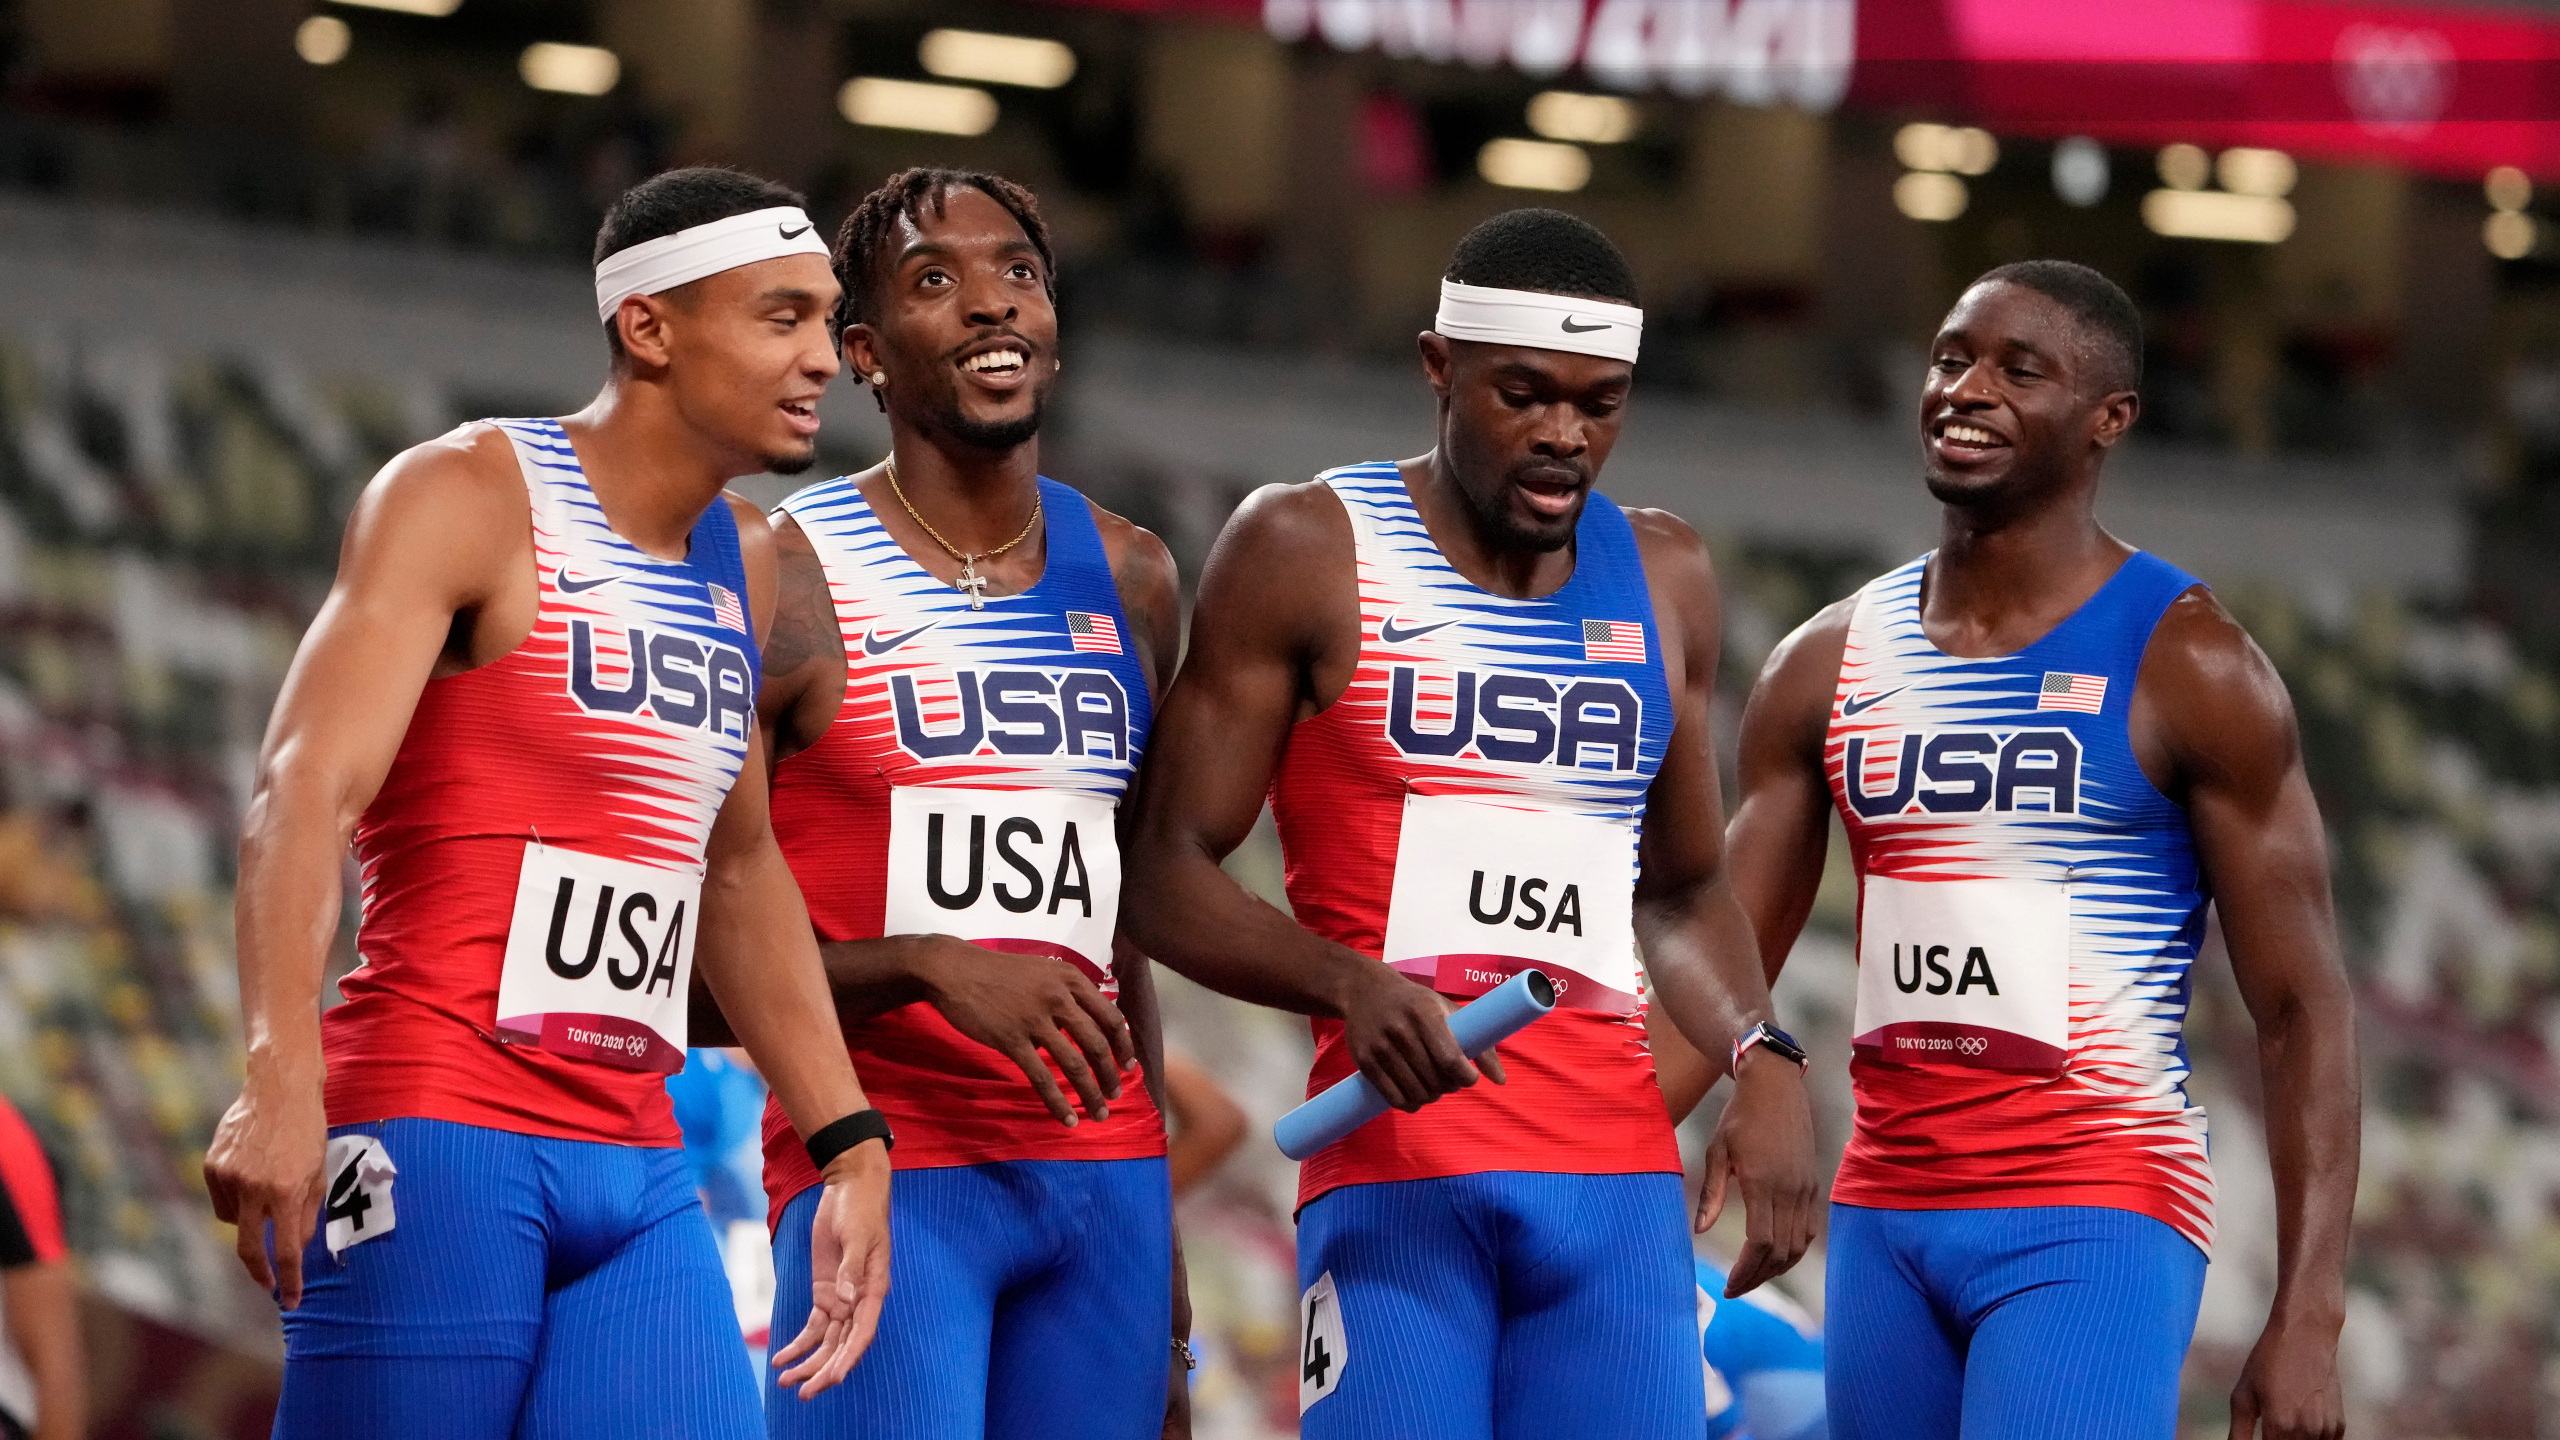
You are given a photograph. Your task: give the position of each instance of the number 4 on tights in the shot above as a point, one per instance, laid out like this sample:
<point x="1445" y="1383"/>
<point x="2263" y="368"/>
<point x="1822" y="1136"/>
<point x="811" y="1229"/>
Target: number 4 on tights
<point x="1323" y="1349"/>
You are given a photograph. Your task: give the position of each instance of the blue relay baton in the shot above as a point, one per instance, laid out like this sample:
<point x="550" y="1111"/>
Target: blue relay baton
<point x="1352" y="1101"/>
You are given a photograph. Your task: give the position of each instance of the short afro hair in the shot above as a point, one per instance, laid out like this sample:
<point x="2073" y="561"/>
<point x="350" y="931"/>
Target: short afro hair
<point x="674" y="200"/>
<point x="2098" y="303"/>
<point x="908" y="195"/>
<point x="1547" y="251"/>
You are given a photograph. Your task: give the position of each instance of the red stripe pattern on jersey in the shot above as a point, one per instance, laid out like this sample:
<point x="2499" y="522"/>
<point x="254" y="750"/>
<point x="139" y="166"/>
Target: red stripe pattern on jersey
<point x="1582" y="1097"/>
<point x="615" y="730"/>
<point x="940" y="695"/>
<point x="1948" y="771"/>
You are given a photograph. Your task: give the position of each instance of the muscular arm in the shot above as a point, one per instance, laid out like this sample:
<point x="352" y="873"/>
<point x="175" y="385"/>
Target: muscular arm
<point x="1277" y="607"/>
<point x="2211" y="717"/>
<point x="1774" y="846"/>
<point x="422" y="577"/>
<point x="1699" y="954"/>
<point x="1151" y="595"/>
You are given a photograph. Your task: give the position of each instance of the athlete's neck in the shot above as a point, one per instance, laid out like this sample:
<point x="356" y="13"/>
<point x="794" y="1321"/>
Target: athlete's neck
<point x="653" y="472"/>
<point x="2002" y="578"/>
<point x="978" y="499"/>
<point x="1488" y="561"/>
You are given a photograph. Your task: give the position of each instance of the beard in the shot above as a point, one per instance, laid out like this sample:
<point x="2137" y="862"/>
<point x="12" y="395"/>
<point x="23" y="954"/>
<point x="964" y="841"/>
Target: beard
<point x="1504" y="528"/>
<point x="996" y="434"/>
<point x="790" y="464"/>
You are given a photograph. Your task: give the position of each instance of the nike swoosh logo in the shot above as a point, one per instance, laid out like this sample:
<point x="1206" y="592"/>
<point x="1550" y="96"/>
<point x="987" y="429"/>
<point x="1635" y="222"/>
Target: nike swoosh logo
<point x="1572" y="329"/>
<point x="581" y="587"/>
<point x="874" y="645"/>
<point x="1389" y="634"/>
<point x="1856" y="703"/>
<point x="795" y="234"/>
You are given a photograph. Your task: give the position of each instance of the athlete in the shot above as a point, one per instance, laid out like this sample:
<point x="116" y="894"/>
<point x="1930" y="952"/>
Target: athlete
<point x="43" y="1390"/>
<point x="1469" y="684"/>
<point x="529" y="699"/>
<point x="1763" y="1364"/>
<point x="2050" y="750"/>
<point x="957" y="693"/>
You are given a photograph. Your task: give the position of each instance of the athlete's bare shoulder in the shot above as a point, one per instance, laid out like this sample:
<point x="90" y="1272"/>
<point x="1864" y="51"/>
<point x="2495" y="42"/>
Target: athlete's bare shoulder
<point x="1150" y="587"/>
<point x="2207" y="701"/>
<point x="1288" y="551"/>
<point x="454" y="507"/>
<point x="1681" y="578"/>
<point x="1791" y="701"/>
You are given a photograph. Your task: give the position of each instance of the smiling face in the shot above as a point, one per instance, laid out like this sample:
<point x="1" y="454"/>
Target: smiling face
<point x="2020" y="399"/>
<point x="744" y="354"/>
<point x="1524" y="433"/>
<point x="967" y="333"/>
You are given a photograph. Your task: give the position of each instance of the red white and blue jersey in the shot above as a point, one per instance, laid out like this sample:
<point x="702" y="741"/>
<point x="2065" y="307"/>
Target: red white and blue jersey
<point x="968" y="786"/>
<point x="2029" y="905"/>
<point x="609" y="737"/>
<point x="1470" y="807"/>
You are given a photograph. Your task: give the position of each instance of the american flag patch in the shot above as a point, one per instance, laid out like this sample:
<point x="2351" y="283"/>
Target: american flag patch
<point x="1092" y="632"/>
<point x="1613" y="640"/>
<point x="2066" y="691"/>
<point x="725" y="608"/>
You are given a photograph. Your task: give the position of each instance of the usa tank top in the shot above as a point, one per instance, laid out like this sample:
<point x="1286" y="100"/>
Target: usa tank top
<point x="968" y="786"/>
<point x="2029" y="907"/>
<point x="1470" y="807"/>
<point x="533" y="862"/>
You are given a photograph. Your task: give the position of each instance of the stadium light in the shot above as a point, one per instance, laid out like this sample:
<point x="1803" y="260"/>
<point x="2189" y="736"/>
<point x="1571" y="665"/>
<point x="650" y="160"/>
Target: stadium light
<point x="1930" y="195"/>
<point x="322" y="39"/>
<point x="916" y="105"/>
<point x="2247" y="170"/>
<point x="2217" y="215"/>
<point x="2080" y="171"/>
<point x="569" y="69"/>
<point x="1534" y="165"/>
<point x="1958" y="149"/>
<point x="2185" y="167"/>
<point x="1591" y="119"/>
<point x="997" y="59"/>
<point x="432" y="9"/>
<point x="2508" y="188"/>
<point x="2510" y="235"/>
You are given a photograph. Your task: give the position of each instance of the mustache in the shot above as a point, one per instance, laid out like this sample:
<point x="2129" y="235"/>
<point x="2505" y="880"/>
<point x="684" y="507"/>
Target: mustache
<point x="1544" y="468"/>
<point x="991" y="332"/>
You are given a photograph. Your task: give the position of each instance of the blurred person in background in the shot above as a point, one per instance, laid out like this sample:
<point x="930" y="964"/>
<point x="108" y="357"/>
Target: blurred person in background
<point x="43" y="1385"/>
<point x="1208" y="1124"/>
<point x="1763" y="1363"/>
<point x="957" y="690"/>
<point x="1472" y="663"/>
<point x="2050" y="751"/>
<point x="528" y="698"/>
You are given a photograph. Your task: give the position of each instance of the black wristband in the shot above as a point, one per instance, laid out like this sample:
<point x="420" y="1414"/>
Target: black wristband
<point x="839" y="1136"/>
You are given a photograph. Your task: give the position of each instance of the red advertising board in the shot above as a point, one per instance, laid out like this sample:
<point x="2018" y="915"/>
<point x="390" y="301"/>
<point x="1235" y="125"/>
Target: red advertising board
<point x="2440" y="88"/>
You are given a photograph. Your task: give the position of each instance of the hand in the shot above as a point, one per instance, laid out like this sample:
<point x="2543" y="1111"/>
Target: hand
<point x="264" y="1168"/>
<point x="2290" y="1386"/>
<point x="1024" y="1005"/>
<point x="1398" y="1032"/>
<point x="1764" y="1142"/>
<point x="848" y="1273"/>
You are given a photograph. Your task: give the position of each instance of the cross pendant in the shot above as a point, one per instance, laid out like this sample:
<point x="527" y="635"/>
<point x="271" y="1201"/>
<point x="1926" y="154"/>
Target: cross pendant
<point x="972" y="582"/>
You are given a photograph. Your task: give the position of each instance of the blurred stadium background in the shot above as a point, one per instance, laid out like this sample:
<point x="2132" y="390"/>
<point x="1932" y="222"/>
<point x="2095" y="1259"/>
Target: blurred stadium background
<point x="250" y="248"/>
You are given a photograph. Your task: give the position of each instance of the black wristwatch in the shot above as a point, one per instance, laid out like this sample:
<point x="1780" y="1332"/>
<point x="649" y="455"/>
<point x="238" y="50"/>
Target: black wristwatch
<point x="1779" y="1042"/>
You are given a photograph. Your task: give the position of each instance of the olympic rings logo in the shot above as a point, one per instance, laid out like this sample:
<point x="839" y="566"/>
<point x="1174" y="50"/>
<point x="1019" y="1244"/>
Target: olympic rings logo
<point x="1972" y="1044"/>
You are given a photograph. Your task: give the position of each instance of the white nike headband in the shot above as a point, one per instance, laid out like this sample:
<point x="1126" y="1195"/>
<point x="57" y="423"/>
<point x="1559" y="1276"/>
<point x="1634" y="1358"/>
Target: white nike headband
<point x="653" y="266"/>
<point x="1538" y="320"/>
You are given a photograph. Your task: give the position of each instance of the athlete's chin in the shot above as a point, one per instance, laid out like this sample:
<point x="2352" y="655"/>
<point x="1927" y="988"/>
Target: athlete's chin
<point x="791" y="461"/>
<point x="1955" y="487"/>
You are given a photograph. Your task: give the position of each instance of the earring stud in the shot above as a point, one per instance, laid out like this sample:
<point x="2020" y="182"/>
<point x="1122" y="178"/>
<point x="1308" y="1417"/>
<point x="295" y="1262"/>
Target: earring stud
<point x="879" y="378"/>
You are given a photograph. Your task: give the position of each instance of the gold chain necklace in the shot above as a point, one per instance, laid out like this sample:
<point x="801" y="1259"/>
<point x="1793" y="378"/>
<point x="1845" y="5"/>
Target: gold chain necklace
<point x="970" y="581"/>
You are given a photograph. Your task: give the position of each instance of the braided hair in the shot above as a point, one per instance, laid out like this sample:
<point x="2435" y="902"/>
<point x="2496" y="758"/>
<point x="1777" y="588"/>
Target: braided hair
<point x="907" y="195"/>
